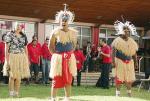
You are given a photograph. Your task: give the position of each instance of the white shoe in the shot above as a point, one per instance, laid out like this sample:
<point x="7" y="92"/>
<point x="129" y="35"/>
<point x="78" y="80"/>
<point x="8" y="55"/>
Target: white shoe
<point x="16" y="94"/>
<point x="52" y="99"/>
<point x="66" y="99"/>
<point x="11" y="93"/>
<point x="117" y="93"/>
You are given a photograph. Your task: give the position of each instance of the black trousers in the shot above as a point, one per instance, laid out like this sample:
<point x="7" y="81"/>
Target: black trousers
<point x="147" y="75"/>
<point x="88" y="64"/>
<point x="103" y="80"/>
<point x="1" y="73"/>
<point x="78" y="78"/>
<point x="4" y="79"/>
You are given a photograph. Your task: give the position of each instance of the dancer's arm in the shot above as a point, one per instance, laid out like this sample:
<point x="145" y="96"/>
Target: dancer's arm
<point x="135" y="61"/>
<point x="113" y="57"/>
<point x="52" y="43"/>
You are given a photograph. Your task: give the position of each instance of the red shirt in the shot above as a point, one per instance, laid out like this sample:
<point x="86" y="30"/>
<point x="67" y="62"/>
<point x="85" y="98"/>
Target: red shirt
<point x="2" y="52"/>
<point x="34" y="52"/>
<point x="45" y="52"/>
<point x="80" y="58"/>
<point x="107" y="50"/>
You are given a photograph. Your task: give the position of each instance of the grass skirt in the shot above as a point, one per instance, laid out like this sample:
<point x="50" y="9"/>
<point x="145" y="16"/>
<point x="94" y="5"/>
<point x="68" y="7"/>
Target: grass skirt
<point x="124" y="71"/>
<point x="56" y="65"/>
<point x="17" y="66"/>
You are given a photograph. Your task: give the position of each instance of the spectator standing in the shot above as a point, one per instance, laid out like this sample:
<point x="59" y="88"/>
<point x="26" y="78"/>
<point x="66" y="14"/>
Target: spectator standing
<point x="2" y="60"/>
<point x="105" y="52"/>
<point x="88" y="62"/>
<point x="46" y="58"/>
<point x="80" y="58"/>
<point x="34" y="51"/>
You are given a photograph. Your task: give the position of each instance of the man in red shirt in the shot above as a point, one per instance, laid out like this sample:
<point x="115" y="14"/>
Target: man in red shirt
<point x="80" y="58"/>
<point x="2" y="58"/>
<point x="34" y="51"/>
<point x="105" y="52"/>
<point x="46" y="57"/>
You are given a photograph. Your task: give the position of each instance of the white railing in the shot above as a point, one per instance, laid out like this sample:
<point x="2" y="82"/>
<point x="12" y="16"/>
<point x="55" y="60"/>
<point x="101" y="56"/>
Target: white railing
<point x="139" y="62"/>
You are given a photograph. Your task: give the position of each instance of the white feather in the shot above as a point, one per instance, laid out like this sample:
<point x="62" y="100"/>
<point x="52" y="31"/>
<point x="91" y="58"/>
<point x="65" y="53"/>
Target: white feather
<point x="119" y="27"/>
<point x="58" y="17"/>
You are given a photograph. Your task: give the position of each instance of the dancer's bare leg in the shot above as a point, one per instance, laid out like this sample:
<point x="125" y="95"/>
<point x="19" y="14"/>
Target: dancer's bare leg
<point x="17" y="86"/>
<point x="53" y="93"/>
<point x="129" y="86"/>
<point x="118" y="86"/>
<point x="11" y="86"/>
<point x="67" y="92"/>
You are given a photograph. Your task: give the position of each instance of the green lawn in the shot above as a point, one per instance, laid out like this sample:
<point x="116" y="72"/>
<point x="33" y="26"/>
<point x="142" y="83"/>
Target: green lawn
<point x="43" y="92"/>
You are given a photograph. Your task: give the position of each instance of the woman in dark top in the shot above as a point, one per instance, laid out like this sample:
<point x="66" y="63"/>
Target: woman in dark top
<point x="16" y="63"/>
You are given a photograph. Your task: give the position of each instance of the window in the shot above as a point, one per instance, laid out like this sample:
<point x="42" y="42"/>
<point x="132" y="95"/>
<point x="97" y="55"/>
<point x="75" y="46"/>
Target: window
<point x="86" y="31"/>
<point x="29" y="30"/>
<point x="56" y="25"/>
<point x="7" y="25"/>
<point x="108" y="34"/>
<point x="86" y="35"/>
<point x="111" y="32"/>
<point x="102" y="33"/>
<point x="85" y="40"/>
<point x="48" y="29"/>
<point x="79" y="34"/>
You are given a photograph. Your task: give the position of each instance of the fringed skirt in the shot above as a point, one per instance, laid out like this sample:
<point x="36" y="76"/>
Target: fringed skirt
<point x="63" y="67"/>
<point x="124" y="72"/>
<point x="17" y="66"/>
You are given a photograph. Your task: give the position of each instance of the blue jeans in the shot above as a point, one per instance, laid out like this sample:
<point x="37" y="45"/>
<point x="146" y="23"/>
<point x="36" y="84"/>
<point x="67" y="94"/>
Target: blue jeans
<point x="45" y="70"/>
<point x="34" y="67"/>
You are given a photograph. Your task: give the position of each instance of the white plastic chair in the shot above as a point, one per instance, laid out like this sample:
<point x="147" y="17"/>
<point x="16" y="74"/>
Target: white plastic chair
<point x="142" y="81"/>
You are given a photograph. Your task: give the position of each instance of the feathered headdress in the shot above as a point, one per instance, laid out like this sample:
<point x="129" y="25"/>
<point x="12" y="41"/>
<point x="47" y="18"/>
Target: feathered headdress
<point x="120" y="25"/>
<point x="64" y="15"/>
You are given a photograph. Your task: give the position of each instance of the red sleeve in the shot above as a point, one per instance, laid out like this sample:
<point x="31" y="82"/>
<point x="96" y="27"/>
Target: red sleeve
<point x="0" y="48"/>
<point x="82" y="57"/>
<point x="107" y="50"/>
<point x="40" y="49"/>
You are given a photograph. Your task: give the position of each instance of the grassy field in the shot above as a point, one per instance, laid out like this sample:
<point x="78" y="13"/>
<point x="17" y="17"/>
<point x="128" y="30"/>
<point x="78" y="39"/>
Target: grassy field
<point x="84" y="93"/>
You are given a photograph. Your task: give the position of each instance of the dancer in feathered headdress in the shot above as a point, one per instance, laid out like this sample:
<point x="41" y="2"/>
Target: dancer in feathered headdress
<point x="124" y="48"/>
<point x="63" y="63"/>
